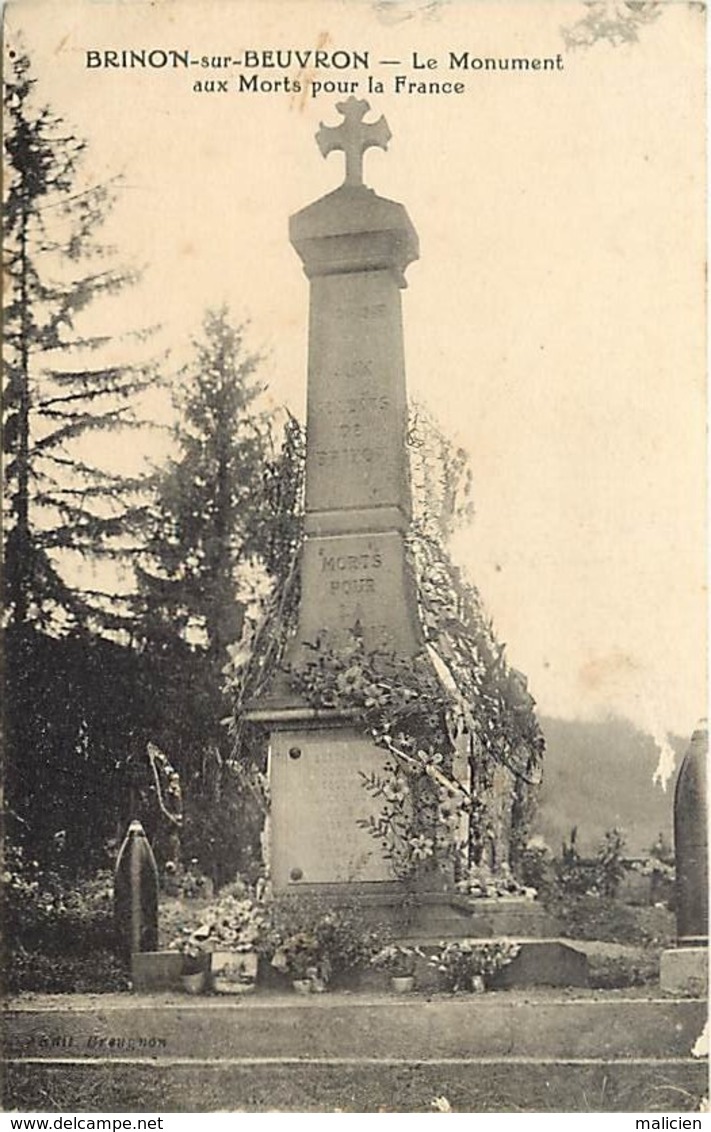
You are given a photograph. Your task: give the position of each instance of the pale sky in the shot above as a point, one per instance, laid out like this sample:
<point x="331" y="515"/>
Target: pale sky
<point x="554" y="323"/>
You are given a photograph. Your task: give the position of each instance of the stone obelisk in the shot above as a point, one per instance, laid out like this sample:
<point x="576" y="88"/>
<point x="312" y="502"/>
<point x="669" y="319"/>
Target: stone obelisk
<point x="355" y="247"/>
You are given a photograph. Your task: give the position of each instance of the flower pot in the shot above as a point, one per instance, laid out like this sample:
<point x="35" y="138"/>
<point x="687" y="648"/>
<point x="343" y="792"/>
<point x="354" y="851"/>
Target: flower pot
<point x="402" y="984"/>
<point x="303" y="986"/>
<point x="195" y="983"/>
<point x="233" y="972"/>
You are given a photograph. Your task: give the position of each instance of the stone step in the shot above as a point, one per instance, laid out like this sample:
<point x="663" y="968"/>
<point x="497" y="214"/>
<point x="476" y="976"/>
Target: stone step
<point x="449" y="914"/>
<point x="486" y="1084"/>
<point x="354" y="1026"/>
<point x="484" y="918"/>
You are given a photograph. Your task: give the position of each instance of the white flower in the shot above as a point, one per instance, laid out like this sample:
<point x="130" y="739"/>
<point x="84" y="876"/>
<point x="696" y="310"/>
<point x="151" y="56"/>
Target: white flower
<point x="430" y="758"/>
<point x="396" y="791"/>
<point x="441" y="1104"/>
<point x="421" y="847"/>
<point x="279" y="961"/>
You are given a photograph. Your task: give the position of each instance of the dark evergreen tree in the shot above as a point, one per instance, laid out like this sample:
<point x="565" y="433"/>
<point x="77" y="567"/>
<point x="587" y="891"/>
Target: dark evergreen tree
<point x="224" y="519"/>
<point x="60" y="503"/>
<point x="72" y="702"/>
<point x="205" y="522"/>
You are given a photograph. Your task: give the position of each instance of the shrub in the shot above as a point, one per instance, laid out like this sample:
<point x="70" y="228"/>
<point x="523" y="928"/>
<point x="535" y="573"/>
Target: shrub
<point x="461" y="963"/>
<point x="98" y="972"/>
<point x="536" y="867"/>
<point x="306" y="933"/>
<point x="45" y="911"/>
<point x="583" y="893"/>
<point x="577" y="876"/>
<point x="609" y="864"/>
<point x="59" y="932"/>
<point x="614" y="972"/>
<point x="397" y="959"/>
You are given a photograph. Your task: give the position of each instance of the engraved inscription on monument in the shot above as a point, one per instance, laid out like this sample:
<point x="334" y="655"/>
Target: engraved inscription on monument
<point x="356" y="406"/>
<point x="317" y="799"/>
<point x="358" y="583"/>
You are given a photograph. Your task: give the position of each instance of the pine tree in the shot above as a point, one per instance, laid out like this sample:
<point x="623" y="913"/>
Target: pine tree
<point x="57" y="393"/>
<point x="218" y="528"/>
<point x="208" y="511"/>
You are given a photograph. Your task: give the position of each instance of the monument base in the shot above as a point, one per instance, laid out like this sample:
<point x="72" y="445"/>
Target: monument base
<point x="685" y="970"/>
<point x="319" y="834"/>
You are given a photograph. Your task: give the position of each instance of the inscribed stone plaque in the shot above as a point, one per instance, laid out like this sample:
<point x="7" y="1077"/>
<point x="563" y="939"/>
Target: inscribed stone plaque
<point x="317" y="799"/>
<point x="358" y="582"/>
<point x="356" y="454"/>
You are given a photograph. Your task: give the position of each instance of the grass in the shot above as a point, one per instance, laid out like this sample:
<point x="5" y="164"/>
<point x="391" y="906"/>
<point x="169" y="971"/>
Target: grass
<point x="499" y="1087"/>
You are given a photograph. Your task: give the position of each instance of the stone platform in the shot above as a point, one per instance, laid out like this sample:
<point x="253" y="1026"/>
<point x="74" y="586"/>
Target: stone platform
<point x="544" y="958"/>
<point x="453" y="917"/>
<point x="503" y="1051"/>
<point x="444" y="915"/>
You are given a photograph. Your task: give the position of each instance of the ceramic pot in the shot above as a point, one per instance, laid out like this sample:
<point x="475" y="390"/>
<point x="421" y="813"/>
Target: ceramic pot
<point x="303" y="986"/>
<point x="402" y="984"/>
<point x="195" y="983"/>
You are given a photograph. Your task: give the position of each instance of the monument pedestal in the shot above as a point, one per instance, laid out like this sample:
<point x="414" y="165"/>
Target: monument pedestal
<point x="318" y="799"/>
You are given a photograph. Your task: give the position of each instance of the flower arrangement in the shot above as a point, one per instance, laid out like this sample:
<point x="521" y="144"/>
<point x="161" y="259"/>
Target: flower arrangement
<point x="303" y="958"/>
<point x="468" y="966"/>
<point x="481" y="881"/>
<point x="195" y="956"/>
<point x="310" y="941"/>
<point x="652" y="866"/>
<point x="418" y="826"/>
<point x="235" y="922"/>
<point x="397" y="959"/>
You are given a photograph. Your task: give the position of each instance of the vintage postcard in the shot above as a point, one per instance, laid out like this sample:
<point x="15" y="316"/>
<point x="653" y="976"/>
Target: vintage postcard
<point x="355" y="556"/>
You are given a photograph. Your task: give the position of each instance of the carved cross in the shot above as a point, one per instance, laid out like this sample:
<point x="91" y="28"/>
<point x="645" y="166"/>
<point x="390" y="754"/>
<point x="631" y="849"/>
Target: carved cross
<point x="353" y="136"/>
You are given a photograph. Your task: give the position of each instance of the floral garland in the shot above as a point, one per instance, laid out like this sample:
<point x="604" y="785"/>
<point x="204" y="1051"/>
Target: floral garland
<point x="421" y="710"/>
<point x="494" y="711"/>
<point x="402" y="704"/>
<point x="458" y="695"/>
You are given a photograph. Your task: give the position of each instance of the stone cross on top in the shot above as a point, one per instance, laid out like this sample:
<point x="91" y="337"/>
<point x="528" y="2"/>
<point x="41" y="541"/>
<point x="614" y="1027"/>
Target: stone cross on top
<point x="353" y="136"/>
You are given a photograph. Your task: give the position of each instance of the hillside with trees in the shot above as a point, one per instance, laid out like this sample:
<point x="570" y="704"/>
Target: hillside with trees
<point x="598" y="775"/>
